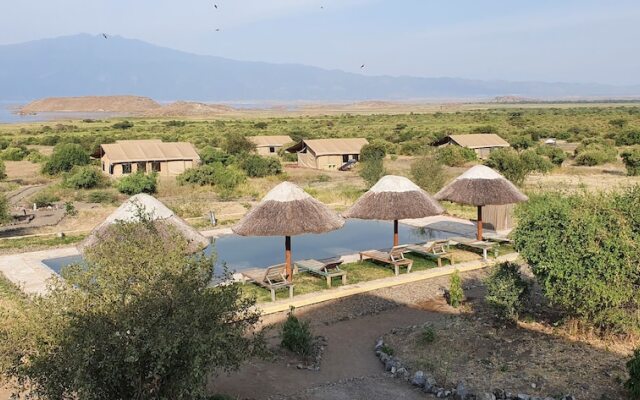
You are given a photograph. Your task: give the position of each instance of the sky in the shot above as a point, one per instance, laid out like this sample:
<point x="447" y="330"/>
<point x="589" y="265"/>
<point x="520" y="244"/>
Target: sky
<point x="516" y="40"/>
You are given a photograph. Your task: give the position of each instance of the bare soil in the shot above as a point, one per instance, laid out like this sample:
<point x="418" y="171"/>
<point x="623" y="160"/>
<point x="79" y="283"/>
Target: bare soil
<point x="124" y="104"/>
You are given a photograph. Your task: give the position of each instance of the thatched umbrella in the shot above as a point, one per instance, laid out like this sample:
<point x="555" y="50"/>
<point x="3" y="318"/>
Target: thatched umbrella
<point x="287" y="210"/>
<point x="481" y="186"/>
<point x="133" y="209"/>
<point x="393" y="198"/>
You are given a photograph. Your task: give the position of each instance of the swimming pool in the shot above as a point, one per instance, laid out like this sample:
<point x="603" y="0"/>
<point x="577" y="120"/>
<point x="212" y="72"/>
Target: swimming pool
<point x="240" y="252"/>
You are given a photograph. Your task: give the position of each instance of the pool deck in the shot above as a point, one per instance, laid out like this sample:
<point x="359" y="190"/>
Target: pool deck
<point x="27" y="271"/>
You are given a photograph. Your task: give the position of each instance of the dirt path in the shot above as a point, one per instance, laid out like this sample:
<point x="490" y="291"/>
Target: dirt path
<point x="24" y="192"/>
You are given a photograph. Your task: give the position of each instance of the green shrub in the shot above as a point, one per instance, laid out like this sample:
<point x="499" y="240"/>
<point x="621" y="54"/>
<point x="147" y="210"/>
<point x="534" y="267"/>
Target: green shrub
<point x="211" y="155"/>
<point x="260" y="125"/>
<point x="456" y="293"/>
<point x="387" y="349"/>
<point x="64" y="157"/>
<point x="123" y="125"/>
<point x="35" y="157"/>
<point x="427" y="335"/>
<point x="455" y="156"/>
<point x="70" y="208"/>
<point x="14" y="153"/>
<point x="373" y="151"/>
<point x="631" y="159"/>
<point x="595" y="151"/>
<point x="428" y="173"/>
<point x="3" y="170"/>
<point x="226" y="178"/>
<point x="371" y="170"/>
<point x="287" y="156"/>
<point x="45" y="199"/>
<point x="175" y="124"/>
<point x="5" y="215"/>
<point x="296" y="335"/>
<point x="555" y="154"/>
<point x="591" y="158"/>
<point x="628" y="138"/>
<point x="516" y="166"/>
<point x="618" y="122"/>
<point x="258" y="167"/>
<point x="102" y="196"/>
<point x="236" y="143"/>
<point x="535" y="161"/>
<point x="584" y="251"/>
<point x="86" y="177"/>
<point x="633" y="383"/>
<point x="506" y="290"/>
<point x="138" y="183"/>
<point x="521" y="142"/>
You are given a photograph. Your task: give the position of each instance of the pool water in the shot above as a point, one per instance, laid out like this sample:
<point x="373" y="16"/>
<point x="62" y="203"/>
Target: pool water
<point x="240" y="252"/>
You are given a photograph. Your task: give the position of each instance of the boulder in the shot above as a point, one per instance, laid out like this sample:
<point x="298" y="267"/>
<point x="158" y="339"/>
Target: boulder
<point x="418" y="379"/>
<point x="461" y="391"/>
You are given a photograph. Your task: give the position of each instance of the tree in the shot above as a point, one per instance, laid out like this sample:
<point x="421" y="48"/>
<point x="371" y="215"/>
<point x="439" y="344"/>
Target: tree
<point x="516" y="166"/>
<point x="123" y="125"/>
<point x="631" y="159"/>
<point x="4" y="208"/>
<point x="236" y="143"/>
<point x="139" y="320"/>
<point x="372" y="170"/>
<point x="64" y="157"/>
<point x="373" y="151"/>
<point x="3" y="170"/>
<point x="257" y="166"/>
<point x="506" y="291"/>
<point x="455" y="156"/>
<point x="428" y="173"/>
<point x="138" y="183"/>
<point x="86" y="177"/>
<point x="211" y="155"/>
<point x="226" y="178"/>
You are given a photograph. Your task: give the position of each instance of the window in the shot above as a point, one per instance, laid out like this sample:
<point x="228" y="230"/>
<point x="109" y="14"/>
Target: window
<point x="156" y="166"/>
<point x="126" y="168"/>
<point x="356" y="157"/>
<point x="103" y="165"/>
<point x="110" y="169"/>
<point x="272" y="149"/>
<point x="142" y="166"/>
<point x="345" y="158"/>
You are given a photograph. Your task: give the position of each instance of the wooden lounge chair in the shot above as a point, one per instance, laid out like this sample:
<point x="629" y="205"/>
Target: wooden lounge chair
<point x="394" y="257"/>
<point x="483" y="245"/>
<point x="272" y="278"/>
<point x="329" y="268"/>
<point x="437" y="250"/>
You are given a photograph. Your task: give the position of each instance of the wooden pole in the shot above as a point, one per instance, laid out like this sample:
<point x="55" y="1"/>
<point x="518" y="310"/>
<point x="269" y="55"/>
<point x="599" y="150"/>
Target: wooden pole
<point x="479" y="236"/>
<point x="395" y="232"/>
<point x="287" y="257"/>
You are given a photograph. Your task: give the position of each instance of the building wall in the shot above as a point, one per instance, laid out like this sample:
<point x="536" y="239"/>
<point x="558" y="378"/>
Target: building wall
<point x="307" y="160"/>
<point x="264" y="151"/>
<point x="167" y="168"/>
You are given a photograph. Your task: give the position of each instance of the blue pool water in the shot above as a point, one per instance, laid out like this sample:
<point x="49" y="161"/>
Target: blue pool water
<point x="239" y="252"/>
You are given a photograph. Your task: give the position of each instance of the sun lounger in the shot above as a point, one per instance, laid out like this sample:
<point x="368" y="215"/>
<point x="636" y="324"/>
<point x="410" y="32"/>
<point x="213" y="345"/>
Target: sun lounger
<point x="394" y="257"/>
<point x="329" y="268"/>
<point x="476" y="244"/>
<point x="437" y="250"/>
<point x="272" y="278"/>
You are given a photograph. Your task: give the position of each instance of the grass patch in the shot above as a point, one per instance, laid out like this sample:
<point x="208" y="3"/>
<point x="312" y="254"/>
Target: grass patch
<point x="39" y="242"/>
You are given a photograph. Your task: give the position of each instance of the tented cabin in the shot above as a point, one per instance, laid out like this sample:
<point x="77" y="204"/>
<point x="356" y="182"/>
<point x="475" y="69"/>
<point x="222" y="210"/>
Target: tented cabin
<point x="328" y="154"/>
<point x="482" y="143"/>
<point x="269" y="145"/>
<point x="129" y="156"/>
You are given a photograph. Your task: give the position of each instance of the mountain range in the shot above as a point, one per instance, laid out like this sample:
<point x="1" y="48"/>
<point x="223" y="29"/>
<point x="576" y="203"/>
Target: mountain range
<point x="83" y="65"/>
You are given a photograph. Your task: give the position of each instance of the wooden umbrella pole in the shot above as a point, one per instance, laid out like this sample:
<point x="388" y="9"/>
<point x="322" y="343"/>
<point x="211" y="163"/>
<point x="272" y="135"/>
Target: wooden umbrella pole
<point x="479" y="223"/>
<point x="287" y="257"/>
<point x="395" y="232"/>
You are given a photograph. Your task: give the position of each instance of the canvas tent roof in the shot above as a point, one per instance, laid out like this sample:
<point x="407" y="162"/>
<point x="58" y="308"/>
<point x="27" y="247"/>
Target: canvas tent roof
<point x="149" y="150"/>
<point x="268" y="141"/>
<point x="324" y="147"/>
<point x="479" y="140"/>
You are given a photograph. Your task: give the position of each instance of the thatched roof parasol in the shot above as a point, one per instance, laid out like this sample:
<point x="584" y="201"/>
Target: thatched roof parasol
<point x="393" y="198"/>
<point x="131" y="210"/>
<point x="480" y="186"/>
<point x="287" y="210"/>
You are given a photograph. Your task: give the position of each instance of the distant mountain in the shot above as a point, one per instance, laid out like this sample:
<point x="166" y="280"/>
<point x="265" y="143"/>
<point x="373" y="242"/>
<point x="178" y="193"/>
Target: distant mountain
<point x="84" y="65"/>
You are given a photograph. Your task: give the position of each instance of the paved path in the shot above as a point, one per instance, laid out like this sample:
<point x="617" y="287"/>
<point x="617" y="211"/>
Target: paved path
<point x="27" y="271"/>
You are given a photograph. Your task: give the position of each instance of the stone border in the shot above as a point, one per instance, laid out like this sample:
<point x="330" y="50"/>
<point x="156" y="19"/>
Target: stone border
<point x="428" y="384"/>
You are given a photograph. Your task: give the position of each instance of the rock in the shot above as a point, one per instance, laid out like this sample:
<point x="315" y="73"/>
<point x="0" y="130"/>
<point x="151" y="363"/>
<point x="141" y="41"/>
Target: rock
<point x="389" y="364"/>
<point x="401" y="371"/>
<point x="418" y="379"/>
<point x="300" y="366"/>
<point x="533" y="386"/>
<point x="486" y="396"/>
<point x="499" y="394"/>
<point x="461" y="391"/>
<point x="447" y="393"/>
<point x="440" y="393"/>
<point x="384" y="357"/>
<point x="379" y="344"/>
<point x="522" y="396"/>
<point x="568" y="397"/>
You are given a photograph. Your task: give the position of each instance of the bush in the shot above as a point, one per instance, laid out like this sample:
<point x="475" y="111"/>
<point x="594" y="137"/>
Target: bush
<point x="633" y="383"/>
<point x="101" y="196"/>
<point x="3" y="170"/>
<point x="86" y="177"/>
<point x="371" y="171"/>
<point x="210" y="155"/>
<point x="536" y="162"/>
<point x="455" y="156"/>
<point x="595" y="151"/>
<point x="373" y="151"/>
<point x="14" y="153"/>
<point x="456" y="293"/>
<point x="631" y="159"/>
<point x="236" y="143"/>
<point x="70" y="208"/>
<point x="628" y="138"/>
<point x="258" y="167"/>
<point x="296" y="335"/>
<point x="427" y="335"/>
<point x="584" y="250"/>
<point x="45" y="199"/>
<point x="428" y="173"/>
<point x="226" y="178"/>
<point x="516" y="166"/>
<point x="138" y="183"/>
<point x="260" y="125"/>
<point x="65" y="157"/>
<point x="4" y="208"/>
<point x="521" y="142"/>
<point x="555" y="154"/>
<point x="591" y="158"/>
<point x="506" y="290"/>
<point x="285" y="155"/>
<point x="123" y="125"/>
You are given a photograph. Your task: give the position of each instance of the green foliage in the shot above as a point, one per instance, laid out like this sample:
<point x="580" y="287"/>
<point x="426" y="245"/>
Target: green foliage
<point x="285" y="155"/>
<point x="506" y="291"/>
<point x="428" y="173"/>
<point x="122" y="125"/>
<point x="260" y="125"/>
<point x="14" y="153"/>
<point x="236" y="143"/>
<point x="633" y="383"/>
<point x="211" y="155"/>
<point x="371" y="170"/>
<point x="258" y="167"/>
<point x="140" y="320"/>
<point x="373" y="151"/>
<point x="455" y="156"/>
<point x="631" y="159"/>
<point x="4" y="209"/>
<point x="595" y="151"/>
<point x="175" y="124"/>
<point x="102" y="196"/>
<point x="35" y="157"/>
<point x="226" y="178"/>
<point x="628" y="138"/>
<point x="138" y="183"/>
<point x="296" y="335"/>
<point x="584" y="251"/>
<point x="387" y="349"/>
<point x="456" y="293"/>
<point x="86" y="177"/>
<point x="427" y="335"/>
<point x="45" y="199"/>
<point x="521" y="142"/>
<point x="618" y="122"/>
<point x="3" y="170"/>
<point x="64" y="158"/>
<point x="535" y="161"/>
<point x="70" y="208"/>
<point x="555" y="154"/>
<point x="516" y="166"/>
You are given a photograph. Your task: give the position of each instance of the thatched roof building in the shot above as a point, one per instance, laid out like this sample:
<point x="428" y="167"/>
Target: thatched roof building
<point x="162" y="216"/>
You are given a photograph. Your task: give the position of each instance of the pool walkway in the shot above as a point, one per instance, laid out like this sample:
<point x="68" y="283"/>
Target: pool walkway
<point x="28" y="272"/>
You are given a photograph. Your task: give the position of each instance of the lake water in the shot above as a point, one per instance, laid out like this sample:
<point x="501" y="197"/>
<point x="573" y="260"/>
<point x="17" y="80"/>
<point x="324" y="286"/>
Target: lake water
<point x="8" y="116"/>
<point x="239" y="252"/>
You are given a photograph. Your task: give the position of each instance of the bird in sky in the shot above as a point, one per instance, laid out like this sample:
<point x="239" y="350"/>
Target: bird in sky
<point x="217" y="29"/>
<point x="321" y="6"/>
<point x="362" y="66"/>
<point x="104" y="35"/>
<point x="215" y="6"/>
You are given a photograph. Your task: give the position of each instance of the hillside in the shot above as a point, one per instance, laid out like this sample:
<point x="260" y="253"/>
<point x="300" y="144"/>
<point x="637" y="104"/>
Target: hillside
<point x="85" y="65"/>
<point x="129" y="104"/>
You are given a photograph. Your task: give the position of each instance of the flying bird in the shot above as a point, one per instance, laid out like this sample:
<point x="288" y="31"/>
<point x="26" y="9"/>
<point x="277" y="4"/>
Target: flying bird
<point x="216" y="6"/>
<point x="362" y="66"/>
<point x="217" y="29"/>
<point x="321" y="6"/>
<point x="104" y="35"/>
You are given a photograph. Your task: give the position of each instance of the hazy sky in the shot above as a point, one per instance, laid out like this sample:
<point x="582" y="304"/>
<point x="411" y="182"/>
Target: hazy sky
<point x="572" y="40"/>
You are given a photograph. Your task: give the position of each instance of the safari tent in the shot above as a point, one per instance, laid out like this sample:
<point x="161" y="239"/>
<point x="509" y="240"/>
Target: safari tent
<point x="482" y="143"/>
<point x="269" y="145"/>
<point x="129" y="156"/>
<point x="329" y="154"/>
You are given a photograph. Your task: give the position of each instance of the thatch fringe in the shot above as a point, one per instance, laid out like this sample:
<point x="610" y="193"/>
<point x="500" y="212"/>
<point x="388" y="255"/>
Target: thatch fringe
<point x="394" y="205"/>
<point x="496" y="190"/>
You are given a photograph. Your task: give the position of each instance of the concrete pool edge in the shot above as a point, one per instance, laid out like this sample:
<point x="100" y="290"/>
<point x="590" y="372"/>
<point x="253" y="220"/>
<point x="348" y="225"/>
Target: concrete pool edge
<point x="364" y="287"/>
